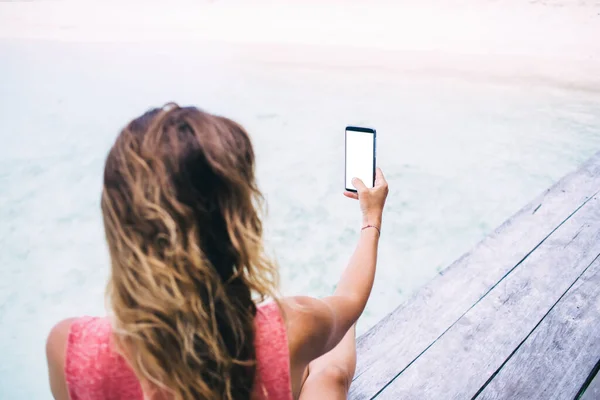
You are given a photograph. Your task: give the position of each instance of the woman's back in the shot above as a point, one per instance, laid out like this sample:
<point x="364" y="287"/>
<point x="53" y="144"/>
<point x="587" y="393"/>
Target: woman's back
<point x="95" y="371"/>
<point x="182" y="217"/>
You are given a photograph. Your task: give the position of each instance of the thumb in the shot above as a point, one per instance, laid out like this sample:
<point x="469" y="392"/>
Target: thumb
<point x="358" y="184"/>
<point x="379" y="178"/>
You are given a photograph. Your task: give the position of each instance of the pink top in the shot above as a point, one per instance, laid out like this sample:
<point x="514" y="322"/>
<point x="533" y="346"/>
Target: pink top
<point x="94" y="371"/>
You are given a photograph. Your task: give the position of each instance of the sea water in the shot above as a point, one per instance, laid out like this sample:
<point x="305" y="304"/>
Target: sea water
<point x="460" y="157"/>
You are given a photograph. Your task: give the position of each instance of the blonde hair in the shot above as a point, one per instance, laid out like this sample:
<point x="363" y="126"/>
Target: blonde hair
<point x="181" y="214"/>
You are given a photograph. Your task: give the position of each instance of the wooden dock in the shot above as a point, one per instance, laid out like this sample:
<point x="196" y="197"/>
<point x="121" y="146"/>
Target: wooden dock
<point x="518" y="317"/>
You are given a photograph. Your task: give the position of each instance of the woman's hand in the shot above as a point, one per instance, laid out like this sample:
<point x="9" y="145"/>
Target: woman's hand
<point x="371" y="200"/>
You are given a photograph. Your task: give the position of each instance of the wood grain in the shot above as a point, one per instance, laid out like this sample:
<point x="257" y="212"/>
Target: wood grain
<point x="396" y="341"/>
<point x="557" y="358"/>
<point x="460" y="362"/>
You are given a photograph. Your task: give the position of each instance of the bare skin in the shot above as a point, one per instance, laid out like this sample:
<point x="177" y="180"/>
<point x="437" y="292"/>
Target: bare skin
<point x="322" y="339"/>
<point x="321" y="332"/>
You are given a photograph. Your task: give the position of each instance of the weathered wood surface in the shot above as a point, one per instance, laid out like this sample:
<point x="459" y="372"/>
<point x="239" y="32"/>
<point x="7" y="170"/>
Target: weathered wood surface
<point x="592" y="392"/>
<point x="555" y="361"/>
<point x="391" y="346"/>
<point x="460" y="362"/>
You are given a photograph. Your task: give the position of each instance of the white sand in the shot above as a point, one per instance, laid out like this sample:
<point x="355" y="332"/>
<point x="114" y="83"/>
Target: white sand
<point x="549" y="41"/>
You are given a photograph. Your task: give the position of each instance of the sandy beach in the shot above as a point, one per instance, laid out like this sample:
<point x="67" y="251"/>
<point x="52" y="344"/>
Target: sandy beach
<point x="549" y="42"/>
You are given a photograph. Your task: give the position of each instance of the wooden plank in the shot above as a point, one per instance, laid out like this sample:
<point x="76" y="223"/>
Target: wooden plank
<point x="458" y="364"/>
<point x="555" y="361"/>
<point x="391" y="345"/>
<point x="593" y="390"/>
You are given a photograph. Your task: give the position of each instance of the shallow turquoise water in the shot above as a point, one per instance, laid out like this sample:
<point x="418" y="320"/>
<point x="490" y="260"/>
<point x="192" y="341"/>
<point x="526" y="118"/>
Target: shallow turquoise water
<point x="460" y="158"/>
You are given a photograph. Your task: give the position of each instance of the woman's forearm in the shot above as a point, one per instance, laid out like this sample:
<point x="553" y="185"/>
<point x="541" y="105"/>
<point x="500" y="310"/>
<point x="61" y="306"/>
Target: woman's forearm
<point x="357" y="279"/>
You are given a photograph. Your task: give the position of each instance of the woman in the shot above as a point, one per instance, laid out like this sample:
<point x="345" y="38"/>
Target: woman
<point x="188" y="270"/>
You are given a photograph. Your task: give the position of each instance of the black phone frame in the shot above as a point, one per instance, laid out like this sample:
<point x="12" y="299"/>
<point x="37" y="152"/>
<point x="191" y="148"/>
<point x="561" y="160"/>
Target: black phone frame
<point x="359" y="129"/>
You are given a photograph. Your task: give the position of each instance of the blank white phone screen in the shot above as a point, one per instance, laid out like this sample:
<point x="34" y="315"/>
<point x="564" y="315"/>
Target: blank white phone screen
<point x="359" y="157"/>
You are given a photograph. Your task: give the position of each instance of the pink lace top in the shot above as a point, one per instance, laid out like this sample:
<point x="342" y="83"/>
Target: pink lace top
<point x="94" y="371"/>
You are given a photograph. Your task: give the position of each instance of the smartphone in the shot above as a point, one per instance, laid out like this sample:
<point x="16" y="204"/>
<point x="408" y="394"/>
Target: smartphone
<point x="360" y="156"/>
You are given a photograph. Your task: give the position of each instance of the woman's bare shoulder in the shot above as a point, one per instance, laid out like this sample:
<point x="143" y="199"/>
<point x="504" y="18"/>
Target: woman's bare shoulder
<point x="56" y="346"/>
<point x="309" y="323"/>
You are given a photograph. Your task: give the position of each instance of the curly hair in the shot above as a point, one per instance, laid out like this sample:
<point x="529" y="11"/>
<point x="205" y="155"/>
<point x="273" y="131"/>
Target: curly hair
<point x="181" y="212"/>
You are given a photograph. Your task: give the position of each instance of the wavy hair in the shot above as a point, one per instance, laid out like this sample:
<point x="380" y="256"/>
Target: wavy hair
<point x="181" y="212"/>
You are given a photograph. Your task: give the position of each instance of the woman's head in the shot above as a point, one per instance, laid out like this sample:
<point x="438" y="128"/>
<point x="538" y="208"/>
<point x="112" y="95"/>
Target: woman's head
<point x="181" y="214"/>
